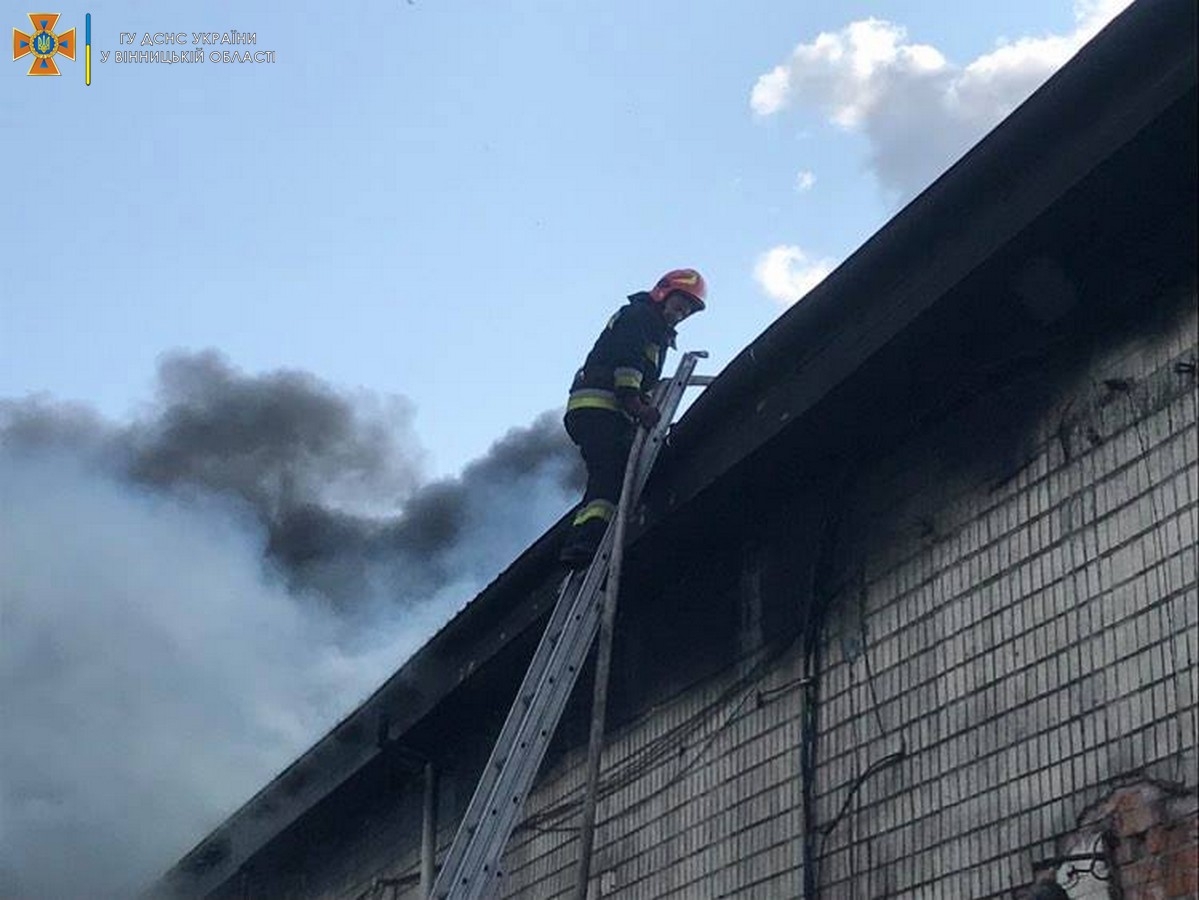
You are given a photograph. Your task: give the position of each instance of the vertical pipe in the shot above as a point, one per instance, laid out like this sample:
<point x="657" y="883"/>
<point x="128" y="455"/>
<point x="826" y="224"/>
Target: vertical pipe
<point x="428" y="840"/>
<point x="807" y="754"/>
<point x="818" y="600"/>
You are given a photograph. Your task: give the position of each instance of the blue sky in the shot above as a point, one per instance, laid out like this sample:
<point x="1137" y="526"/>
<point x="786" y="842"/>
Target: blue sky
<point x="241" y="300"/>
<point x="437" y="200"/>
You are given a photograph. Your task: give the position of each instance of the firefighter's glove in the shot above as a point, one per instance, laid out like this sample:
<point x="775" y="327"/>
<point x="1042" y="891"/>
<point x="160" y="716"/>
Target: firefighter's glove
<point x="648" y="416"/>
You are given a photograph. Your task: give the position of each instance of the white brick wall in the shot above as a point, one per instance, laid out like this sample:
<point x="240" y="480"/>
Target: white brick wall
<point x="1040" y="644"/>
<point x="1030" y="642"/>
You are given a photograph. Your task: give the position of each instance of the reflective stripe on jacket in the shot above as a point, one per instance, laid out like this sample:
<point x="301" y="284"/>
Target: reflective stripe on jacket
<point x="626" y="360"/>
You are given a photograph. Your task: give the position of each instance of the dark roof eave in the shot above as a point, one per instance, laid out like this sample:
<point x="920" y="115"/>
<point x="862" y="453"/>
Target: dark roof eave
<point x="1088" y="110"/>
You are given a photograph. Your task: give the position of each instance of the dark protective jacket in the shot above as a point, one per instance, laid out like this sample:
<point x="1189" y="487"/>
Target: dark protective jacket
<point x="626" y="360"/>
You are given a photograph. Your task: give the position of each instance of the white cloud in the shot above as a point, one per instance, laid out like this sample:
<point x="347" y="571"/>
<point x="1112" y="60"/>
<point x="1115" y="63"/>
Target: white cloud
<point x="786" y="273"/>
<point x="1092" y="15"/>
<point x="918" y="111"/>
<point x="772" y="92"/>
<point x="804" y="181"/>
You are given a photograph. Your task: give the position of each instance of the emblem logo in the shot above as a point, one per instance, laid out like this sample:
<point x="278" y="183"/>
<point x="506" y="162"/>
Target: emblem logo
<point x="45" y="43"/>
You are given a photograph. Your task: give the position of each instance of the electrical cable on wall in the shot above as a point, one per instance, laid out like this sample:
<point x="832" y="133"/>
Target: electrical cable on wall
<point x="822" y="597"/>
<point x="666" y="749"/>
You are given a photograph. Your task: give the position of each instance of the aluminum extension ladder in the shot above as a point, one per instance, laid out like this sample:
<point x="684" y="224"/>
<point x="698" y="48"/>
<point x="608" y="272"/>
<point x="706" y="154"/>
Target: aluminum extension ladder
<point x="472" y="866"/>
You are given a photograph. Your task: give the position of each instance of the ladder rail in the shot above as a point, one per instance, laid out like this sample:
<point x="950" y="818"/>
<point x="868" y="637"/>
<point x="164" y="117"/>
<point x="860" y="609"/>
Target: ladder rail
<point x="471" y="867"/>
<point x="517" y="724"/>
<point x="501" y="800"/>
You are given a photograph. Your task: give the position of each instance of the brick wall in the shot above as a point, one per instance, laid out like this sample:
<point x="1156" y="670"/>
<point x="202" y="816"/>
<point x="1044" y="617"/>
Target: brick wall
<point x="1011" y="605"/>
<point x="1031" y="639"/>
<point x="1148" y="835"/>
<point x="1025" y="634"/>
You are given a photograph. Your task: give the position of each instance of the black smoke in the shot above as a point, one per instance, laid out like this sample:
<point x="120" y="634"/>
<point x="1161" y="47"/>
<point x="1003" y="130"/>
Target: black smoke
<point x="333" y="478"/>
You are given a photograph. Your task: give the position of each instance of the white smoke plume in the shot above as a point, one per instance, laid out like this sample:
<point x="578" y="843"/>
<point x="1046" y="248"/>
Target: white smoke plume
<point x="188" y="601"/>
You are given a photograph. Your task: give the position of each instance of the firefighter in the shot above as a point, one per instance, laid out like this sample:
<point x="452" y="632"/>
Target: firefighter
<point x="609" y="398"/>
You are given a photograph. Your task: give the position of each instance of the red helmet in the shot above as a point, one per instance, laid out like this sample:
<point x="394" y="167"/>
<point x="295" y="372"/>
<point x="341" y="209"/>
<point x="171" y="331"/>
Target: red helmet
<point x="686" y="281"/>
